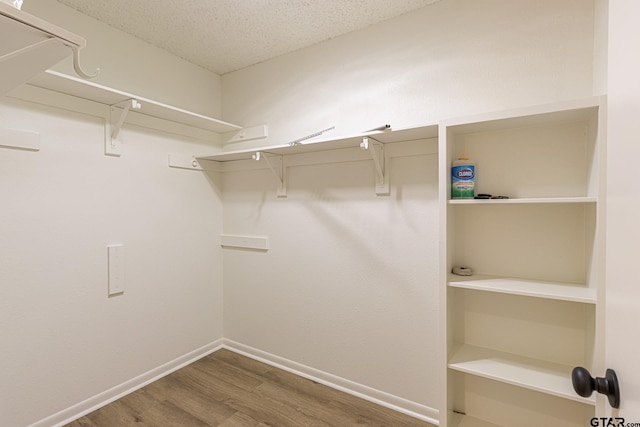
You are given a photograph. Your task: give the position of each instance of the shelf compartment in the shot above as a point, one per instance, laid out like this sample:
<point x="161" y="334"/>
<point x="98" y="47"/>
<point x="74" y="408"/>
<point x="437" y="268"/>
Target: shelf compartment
<point x="555" y="331"/>
<point x="327" y="144"/>
<point x="79" y="88"/>
<point x="532" y="288"/>
<point x="484" y="402"/>
<point x="542" y="241"/>
<point x="546" y="377"/>
<point x="548" y="154"/>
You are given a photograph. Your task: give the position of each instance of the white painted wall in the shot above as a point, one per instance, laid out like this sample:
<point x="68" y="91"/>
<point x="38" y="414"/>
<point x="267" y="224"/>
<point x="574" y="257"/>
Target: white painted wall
<point x="62" y="339"/>
<point x="131" y="65"/>
<point x="65" y="344"/>
<point x="452" y="58"/>
<point x="600" y="47"/>
<point x="349" y="285"/>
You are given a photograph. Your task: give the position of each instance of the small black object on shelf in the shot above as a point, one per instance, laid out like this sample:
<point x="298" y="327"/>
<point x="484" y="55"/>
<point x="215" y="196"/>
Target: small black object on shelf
<point x="489" y="196"/>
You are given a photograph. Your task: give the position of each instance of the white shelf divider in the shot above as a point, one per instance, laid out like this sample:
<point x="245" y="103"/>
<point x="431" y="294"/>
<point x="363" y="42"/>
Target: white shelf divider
<point x="574" y="292"/>
<point x="533" y="374"/>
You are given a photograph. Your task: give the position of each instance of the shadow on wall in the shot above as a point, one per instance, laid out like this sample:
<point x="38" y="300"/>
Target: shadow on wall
<point x="333" y="217"/>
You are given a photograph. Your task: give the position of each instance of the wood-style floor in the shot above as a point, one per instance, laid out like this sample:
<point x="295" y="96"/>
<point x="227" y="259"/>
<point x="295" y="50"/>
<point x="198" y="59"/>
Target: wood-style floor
<point x="230" y="390"/>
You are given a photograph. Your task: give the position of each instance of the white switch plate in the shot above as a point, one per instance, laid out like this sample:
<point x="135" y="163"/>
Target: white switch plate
<point x="116" y="269"/>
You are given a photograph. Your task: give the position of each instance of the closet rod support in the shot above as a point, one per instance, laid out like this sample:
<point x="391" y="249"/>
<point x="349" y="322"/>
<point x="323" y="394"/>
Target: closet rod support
<point x="78" y="68"/>
<point x="52" y="40"/>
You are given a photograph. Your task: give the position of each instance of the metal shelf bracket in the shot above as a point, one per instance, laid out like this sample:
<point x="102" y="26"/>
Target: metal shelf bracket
<point x="279" y="174"/>
<point x="113" y="146"/>
<point x="29" y="48"/>
<point x="381" y="163"/>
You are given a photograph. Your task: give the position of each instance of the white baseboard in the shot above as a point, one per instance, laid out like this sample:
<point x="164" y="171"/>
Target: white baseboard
<point x="99" y="400"/>
<point x="381" y="398"/>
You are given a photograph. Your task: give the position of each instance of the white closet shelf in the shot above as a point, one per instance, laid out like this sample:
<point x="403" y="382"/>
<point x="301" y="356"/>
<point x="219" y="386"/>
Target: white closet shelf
<point x="528" y="200"/>
<point x="70" y="85"/>
<point x="573" y="292"/>
<point x="547" y="115"/>
<point x="29" y="45"/>
<point x="40" y="25"/>
<point x="539" y="375"/>
<point x="325" y="144"/>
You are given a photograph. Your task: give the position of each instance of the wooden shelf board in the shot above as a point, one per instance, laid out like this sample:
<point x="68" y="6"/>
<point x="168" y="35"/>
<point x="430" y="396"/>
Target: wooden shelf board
<point x="533" y="374"/>
<point x="326" y="144"/>
<point x="84" y="89"/>
<point x="530" y="200"/>
<point x="531" y="288"/>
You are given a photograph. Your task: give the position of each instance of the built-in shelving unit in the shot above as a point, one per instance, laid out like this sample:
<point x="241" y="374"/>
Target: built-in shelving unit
<point x="530" y="312"/>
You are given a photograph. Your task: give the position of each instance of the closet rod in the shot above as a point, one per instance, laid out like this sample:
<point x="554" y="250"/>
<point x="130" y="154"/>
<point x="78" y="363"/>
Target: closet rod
<point x="313" y="135"/>
<point x="78" y="68"/>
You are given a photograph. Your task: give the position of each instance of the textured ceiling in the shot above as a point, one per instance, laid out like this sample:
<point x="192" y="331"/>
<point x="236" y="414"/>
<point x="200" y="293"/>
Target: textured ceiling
<point x="227" y="35"/>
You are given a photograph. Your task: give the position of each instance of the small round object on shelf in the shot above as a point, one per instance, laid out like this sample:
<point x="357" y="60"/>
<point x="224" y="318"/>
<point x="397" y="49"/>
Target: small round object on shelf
<point x="462" y="270"/>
